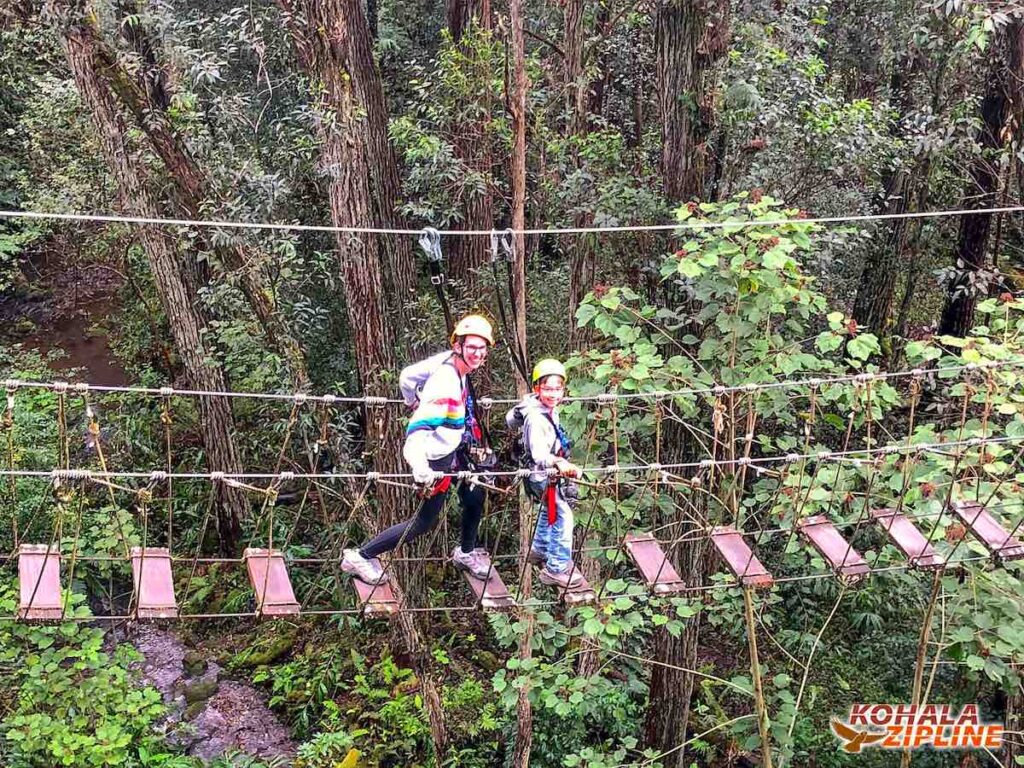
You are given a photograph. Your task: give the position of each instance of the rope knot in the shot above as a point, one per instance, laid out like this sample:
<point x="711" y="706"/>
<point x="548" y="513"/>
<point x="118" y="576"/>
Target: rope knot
<point x="917" y="372"/>
<point x="217" y="477"/>
<point x="287" y="476"/>
<point x="655" y="467"/>
<point x="743" y="461"/>
<point x="375" y="402"/>
<point x="791" y="457"/>
<point x="81" y="387"/>
<point x="971" y="367"/>
<point x="166" y="391"/>
<point x="751" y="387"/>
<point x="10" y="385"/>
<point x="329" y="399"/>
<point x="486" y="403"/>
<point x="718" y="390"/>
<point x="824" y="455"/>
<point x="157" y="476"/>
<point x="606" y="397"/>
<point x="464" y="474"/>
<point x="300" y="398"/>
<point x="271" y="494"/>
<point x="144" y="495"/>
<point x="523" y="472"/>
<point x="815" y="382"/>
<point x="707" y="463"/>
<point x="865" y="376"/>
<point x="60" y="386"/>
<point x="372" y="477"/>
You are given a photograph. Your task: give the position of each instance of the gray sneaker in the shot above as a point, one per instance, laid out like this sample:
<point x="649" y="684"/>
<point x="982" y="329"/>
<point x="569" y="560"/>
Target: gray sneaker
<point x="547" y="576"/>
<point x="366" y="570"/>
<point x="477" y="562"/>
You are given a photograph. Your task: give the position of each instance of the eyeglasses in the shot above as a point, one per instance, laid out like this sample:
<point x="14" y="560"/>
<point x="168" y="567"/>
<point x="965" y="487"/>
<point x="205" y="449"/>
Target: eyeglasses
<point x="475" y="349"/>
<point x="552" y="390"/>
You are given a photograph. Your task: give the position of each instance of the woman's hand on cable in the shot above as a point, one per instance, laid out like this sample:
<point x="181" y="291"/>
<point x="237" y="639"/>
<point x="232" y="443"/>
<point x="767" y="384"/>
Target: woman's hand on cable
<point x="567" y="468"/>
<point x="426" y="476"/>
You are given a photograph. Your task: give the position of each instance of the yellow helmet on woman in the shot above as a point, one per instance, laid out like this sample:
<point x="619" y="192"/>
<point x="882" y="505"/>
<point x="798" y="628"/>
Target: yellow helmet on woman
<point x="548" y="367"/>
<point x="474" y="325"/>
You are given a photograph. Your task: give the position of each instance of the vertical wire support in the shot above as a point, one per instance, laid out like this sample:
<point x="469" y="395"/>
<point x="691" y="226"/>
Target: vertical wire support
<point x="760" y="707"/>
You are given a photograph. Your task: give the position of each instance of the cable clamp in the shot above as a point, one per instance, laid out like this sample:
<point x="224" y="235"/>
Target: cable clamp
<point x="329" y="399"/>
<point x="157" y="476"/>
<point x="59" y="386"/>
<point x="217" y="477"/>
<point x="486" y="403"/>
<point x="503" y="245"/>
<point x="437" y="279"/>
<point x="166" y="391"/>
<point x="286" y="477"/>
<point x="430" y="242"/>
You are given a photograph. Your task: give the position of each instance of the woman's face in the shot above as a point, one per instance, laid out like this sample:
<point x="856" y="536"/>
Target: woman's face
<point x="550" y="390"/>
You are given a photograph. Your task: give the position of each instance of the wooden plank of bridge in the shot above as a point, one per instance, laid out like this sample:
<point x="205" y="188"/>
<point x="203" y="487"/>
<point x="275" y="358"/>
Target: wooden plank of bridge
<point x="653" y="564"/>
<point x="268" y="575"/>
<point x="154" y="583"/>
<point x="847" y="562"/>
<point x="988" y="530"/>
<point x="376" y="600"/>
<point x="492" y="594"/>
<point x="908" y="539"/>
<point x="739" y="558"/>
<point x="39" y="583"/>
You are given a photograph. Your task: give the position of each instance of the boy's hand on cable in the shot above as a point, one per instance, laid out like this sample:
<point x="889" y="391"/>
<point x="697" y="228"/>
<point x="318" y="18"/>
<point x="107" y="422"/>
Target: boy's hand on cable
<point x="567" y="468"/>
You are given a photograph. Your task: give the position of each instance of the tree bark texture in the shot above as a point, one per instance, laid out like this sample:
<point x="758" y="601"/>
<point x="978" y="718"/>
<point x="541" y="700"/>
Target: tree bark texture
<point x="472" y="143"/>
<point x="331" y="38"/>
<point x="175" y="274"/>
<point x="524" y="711"/>
<point x="194" y="187"/>
<point x="690" y="37"/>
<point x="982" y="189"/>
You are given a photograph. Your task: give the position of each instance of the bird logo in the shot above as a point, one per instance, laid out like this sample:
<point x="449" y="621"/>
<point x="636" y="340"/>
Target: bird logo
<point x="855" y="740"/>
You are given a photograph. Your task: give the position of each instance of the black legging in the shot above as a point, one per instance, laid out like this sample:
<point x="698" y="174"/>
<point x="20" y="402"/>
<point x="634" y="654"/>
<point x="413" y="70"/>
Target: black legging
<point x="471" y="500"/>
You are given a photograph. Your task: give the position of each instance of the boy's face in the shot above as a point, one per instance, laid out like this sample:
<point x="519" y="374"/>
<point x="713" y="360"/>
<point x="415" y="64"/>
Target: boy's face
<point x="550" y="390"/>
<point x="473" y="350"/>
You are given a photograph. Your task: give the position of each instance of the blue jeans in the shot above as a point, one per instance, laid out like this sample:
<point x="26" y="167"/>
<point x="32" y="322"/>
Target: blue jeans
<point x="554" y="540"/>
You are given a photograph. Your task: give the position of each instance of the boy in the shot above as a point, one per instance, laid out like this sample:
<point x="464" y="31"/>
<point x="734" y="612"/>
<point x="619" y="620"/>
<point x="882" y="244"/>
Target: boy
<point x="434" y="448"/>
<point x="547" y="447"/>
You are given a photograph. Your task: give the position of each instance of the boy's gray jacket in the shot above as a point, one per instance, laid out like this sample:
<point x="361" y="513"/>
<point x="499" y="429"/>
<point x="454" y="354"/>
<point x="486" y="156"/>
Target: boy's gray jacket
<point x="536" y="422"/>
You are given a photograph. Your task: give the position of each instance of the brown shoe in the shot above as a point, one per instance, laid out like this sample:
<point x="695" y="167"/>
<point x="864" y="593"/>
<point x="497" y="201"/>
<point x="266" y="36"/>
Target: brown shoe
<point x="562" y="579"/>
<point x="536" y="558"/>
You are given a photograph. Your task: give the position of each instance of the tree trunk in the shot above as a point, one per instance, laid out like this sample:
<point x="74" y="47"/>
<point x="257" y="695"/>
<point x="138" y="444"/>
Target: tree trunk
<point x="175" y="274"/>
<point x="524" y="711"/>
<point x="331" y="37"/>
<point x="581" y="248"/>
<point x="690" y="37"/>
<point x="982" y="191"/>
<point x="1014" y="723"/>
<point x="194" y="186"/>
<point x="596" y="91"/>
<point x="471" y="143"/>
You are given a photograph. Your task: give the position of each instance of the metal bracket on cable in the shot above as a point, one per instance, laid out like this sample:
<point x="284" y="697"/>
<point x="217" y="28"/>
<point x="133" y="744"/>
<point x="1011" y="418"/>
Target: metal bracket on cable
<point x="503" y="245"/>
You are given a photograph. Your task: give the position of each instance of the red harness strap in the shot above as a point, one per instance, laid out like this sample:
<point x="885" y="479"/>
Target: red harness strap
<point x="551" y="497"/>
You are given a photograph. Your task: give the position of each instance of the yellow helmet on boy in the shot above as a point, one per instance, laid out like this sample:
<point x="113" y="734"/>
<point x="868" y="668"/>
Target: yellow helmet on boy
<point x="548" y="367"/>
